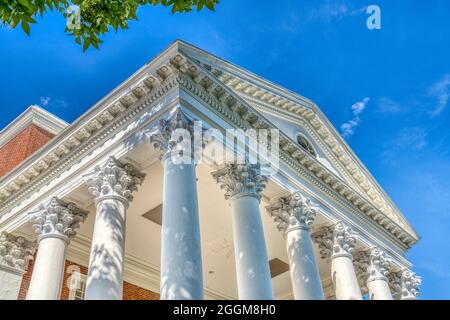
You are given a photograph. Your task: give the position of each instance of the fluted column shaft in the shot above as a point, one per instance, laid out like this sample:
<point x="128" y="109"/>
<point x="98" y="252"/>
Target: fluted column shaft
<point x="111" y="185"/>
<point x="295" y="215"/>
<point x="55" y="224"/>
<point x="181" y="259"/>
<point x="337" y="244"/>
<point x="243" y="183"/>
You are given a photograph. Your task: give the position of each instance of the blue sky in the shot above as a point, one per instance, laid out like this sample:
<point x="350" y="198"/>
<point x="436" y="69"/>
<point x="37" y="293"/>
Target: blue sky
<point x="390" y="88"/>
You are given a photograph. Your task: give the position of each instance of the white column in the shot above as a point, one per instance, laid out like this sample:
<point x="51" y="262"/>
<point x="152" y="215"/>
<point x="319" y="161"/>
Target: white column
<point x="375" y="266"/>
<point x="55" y="224"/>
<point x="337" y="244"/>
<point x="181" y="259"/>
<point x="410" y="285"/>
<point x="295" y="215"/>
<point x="15" y="252"/>
<point x="243" y="184"/>
<point x="111" y="185"/>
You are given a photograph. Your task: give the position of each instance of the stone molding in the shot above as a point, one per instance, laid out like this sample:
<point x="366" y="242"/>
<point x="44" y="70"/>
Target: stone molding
<point x="57" y="219"/>
<point x="15" y="252"/>
<point x="293" y="211"/>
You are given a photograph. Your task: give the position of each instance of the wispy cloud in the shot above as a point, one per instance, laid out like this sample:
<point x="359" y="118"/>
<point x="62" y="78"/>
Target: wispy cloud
<point x="348" y="128"/>
<point x="53" y="102"/>
<point x="335" y="10"/>
<point x="409" y="140"/>
<point x="437" y="269"/>
<point x="415" y="138"/>
<point x="441" y="92"/>
<point x="389" y="106"/>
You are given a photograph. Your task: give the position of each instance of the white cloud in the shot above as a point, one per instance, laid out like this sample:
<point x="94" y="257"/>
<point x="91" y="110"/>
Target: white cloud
<point x="45" y="101"/>
<point x="52" y="102"/>
<point x="348" y="128"/>
<point x="335" y="10"/>
<point x="441" y="92"/>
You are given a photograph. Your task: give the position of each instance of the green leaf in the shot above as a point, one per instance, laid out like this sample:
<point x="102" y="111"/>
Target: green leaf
<point x="26" y="27"/>
<point x="86" y="44"/>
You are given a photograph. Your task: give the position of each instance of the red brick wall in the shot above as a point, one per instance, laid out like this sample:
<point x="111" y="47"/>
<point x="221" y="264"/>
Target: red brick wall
<point x="130" y="291"/>
<point x="21" y="147"/>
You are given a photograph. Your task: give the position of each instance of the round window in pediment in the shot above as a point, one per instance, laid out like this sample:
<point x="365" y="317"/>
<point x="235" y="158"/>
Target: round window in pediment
<point x="306" y="145"/>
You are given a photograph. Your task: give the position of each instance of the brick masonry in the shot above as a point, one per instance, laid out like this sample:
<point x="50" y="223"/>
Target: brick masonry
<point x="130" y="291"/>
<point x="21" y="147"/>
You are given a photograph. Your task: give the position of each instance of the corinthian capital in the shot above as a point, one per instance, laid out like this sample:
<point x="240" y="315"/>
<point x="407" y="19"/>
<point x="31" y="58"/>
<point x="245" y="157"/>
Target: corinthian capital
<point x="293" y="211"/>
<point x="373" y="264"/>
<point x="15" y="252"/>
<point x="335" y="241"/>
<point x="57" y="219"/>
<point x="410" y="285"/>
<point x="113" y="179"/>
<point x="241" y="179"/>
<point x="177" y="136"/>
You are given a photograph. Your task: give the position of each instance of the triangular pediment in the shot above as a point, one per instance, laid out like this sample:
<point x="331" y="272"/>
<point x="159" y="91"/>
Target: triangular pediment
<point x="294" y="115"/>
<point x="242" y="99"/>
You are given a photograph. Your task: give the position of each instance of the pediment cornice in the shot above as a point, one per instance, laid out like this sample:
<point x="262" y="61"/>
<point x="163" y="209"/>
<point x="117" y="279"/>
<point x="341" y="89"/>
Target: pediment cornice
<point x="148" y="86"/>
<point x="281" y="101"/>
<point x="352" y="170"/>
<point x="201" y="81"/>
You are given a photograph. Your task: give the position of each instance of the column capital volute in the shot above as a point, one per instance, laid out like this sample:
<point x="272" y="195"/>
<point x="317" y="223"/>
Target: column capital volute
<point x="293" y="211"/>
<point x="15" y="252"/>
<point x="241" y="180"/>
<point x="335" y="241"/>
<point x="410" y="285"/>
<point x="177" y="136"/>
<point x="373" y="263"/>
<point x="113" y="180"/>
<point x="57" y="219"/>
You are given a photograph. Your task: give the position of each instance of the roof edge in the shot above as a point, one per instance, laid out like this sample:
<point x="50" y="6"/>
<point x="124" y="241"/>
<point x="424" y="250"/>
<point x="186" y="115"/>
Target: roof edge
<point x="32" y="115"/>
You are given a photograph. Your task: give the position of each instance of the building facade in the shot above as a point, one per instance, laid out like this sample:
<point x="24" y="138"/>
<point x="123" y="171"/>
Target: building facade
<point x="131" y="200"/>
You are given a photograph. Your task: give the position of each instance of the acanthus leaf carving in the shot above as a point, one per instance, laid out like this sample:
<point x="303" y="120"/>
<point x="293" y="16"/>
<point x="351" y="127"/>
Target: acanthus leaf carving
<point x="373" y="264"/>
<point x="293" y="211"/>
<point x="114" y="179"/>
<point x="238" y="179"/>
<point x="336" y="241"/>
<point x="57" y="218"/>
<point x="410" y="284"/>
<point x="15" y="252"/>
<point x="177" y="135"/>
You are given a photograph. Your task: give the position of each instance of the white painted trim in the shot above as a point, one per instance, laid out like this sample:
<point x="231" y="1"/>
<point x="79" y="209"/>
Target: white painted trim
<point x="72" y="291"/>
<point x="32" y="115"/>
